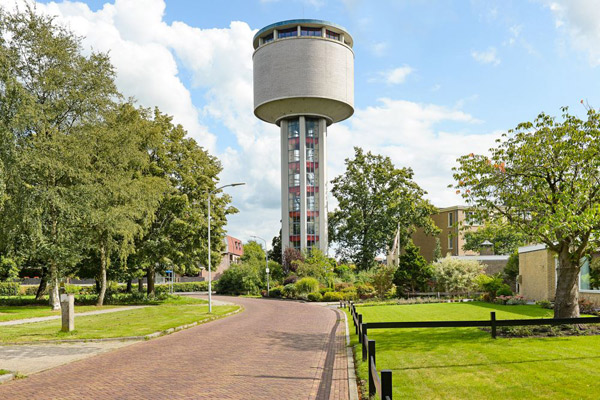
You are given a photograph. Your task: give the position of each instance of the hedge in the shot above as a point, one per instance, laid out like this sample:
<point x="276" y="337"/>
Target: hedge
<point x="9" y="288"/>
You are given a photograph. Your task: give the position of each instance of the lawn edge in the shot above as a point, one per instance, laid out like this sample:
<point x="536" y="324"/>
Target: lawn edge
<point x="149" y="336"/>
<point x="7" y="377"/>
<point x="352" y="383"/>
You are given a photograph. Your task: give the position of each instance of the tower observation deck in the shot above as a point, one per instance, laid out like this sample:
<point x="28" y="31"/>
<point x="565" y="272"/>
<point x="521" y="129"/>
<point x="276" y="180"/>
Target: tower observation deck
<point x="303" y="82"/>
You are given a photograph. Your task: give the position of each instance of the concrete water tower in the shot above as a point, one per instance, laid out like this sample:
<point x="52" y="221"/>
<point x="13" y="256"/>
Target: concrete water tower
<point x="303" y="82"/>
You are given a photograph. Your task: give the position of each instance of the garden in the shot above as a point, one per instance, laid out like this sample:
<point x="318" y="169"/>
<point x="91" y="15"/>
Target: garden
<point x="458" y="363"/>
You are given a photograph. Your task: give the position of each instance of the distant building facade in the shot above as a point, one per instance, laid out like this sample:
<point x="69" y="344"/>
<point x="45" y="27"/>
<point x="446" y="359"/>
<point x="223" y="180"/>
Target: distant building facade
<point x="232" y="254"/>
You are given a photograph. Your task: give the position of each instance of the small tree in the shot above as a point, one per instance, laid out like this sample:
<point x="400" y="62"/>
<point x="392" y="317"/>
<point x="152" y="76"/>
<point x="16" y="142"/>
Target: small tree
<point x="413" y="271"/>
<point x="437" y="251"/>
<point x="290" y="255"/>
<point x="457" y="276"/>
<point x="544" y="179"/>
<point x="383" y="280"/>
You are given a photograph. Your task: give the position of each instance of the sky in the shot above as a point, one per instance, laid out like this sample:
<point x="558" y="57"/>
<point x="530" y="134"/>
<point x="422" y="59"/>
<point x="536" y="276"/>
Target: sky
<point x="434" y="80"/>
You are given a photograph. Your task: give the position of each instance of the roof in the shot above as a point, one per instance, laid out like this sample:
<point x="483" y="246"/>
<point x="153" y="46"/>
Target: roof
<point x="233" y="246"/>
<point x="306" y="22"/>
<point x="483" y="258"/>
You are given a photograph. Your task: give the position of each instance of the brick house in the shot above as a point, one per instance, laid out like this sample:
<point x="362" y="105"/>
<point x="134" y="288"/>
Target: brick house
<point x="232" y="254"/>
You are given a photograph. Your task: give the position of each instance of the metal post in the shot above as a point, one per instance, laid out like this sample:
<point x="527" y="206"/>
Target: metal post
<point x="493" y="316"/>
<point x="386" y="384"/>
<point x="209" y="265"/>
<point x="372" y="362"/>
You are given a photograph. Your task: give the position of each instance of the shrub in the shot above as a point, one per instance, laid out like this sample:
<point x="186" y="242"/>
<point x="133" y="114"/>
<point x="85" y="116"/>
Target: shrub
<point x="325" y="290"/>
<point x="504" y="291"/>
<point x="290" y="279"/>
<point x="289" y="291"/>
<point x="307" y="285"/>
<point x="365" y="291"/>
<point x="587" y="307"/>
<point x="315" y="296"/>
<point x="9" y="288"/>
<point x="341" y="286"/>
<point x="30" y="290"/>
<point x="516" y="301"/>
<point x="489" y="284"/>
<point x="545" y="304"/>
<point x="275" y="291"/>
<point x="457" y="276"/>
<point x="383" y="280"/>
<point x="240" y="279"/>
<point x="333" y="296"/>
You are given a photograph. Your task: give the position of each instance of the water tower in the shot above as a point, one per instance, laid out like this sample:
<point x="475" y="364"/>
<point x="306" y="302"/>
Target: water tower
<point x="303" y="82"/>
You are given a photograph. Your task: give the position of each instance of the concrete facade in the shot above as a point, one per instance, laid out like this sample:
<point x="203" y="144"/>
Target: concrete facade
<point x="537" y="275"/>
<point x="303" y="82"/>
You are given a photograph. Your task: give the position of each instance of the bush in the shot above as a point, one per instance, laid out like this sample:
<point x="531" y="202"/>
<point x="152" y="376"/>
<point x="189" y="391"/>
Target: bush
<point x="315" y="296"/>
<point x="325" y="290"/>
<point x="504" y="291"/>
<point x="240" y="279"/>
<point x="307" y="285"/>
<point x="510" y="300"/>
<point x="365" y="291"/>
<point x="290" y="279"/>
<point x="489" y="284"/>
<point x="457" y="276"/>
<point x="30" y="290"/>
<point x="341" y="286"/>
<point x="545" y="304"/>
<point x="289" y="291"/>
<point x="333" y="296"/>
<point x="383" y="280"/>
<point x="9" y="288"/>
<point x="587" y="307"/>
<point x="276" y="291"/>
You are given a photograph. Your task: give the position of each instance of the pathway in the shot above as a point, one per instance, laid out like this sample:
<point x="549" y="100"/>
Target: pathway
<point x="83" y="314"/>
<point x="274" y="349"/>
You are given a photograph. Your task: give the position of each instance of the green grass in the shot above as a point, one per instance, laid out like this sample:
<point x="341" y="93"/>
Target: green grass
<point x="4" y="372"/>
<point x="143" y="321"/>
<point x="9" y="313"/>
<point x="466" y="363"/>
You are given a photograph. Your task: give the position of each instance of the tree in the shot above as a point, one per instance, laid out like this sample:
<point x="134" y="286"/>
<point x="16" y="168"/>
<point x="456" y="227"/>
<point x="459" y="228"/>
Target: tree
<point x="437" y="251"/>
<point x="382" y="280"/>
<point x="543" y="178"/>
<point x="290" y="256"/>
<point x="276" y="253"/>
<point x="49" y="90"/>
<point x="413" y="272"/>
<point x="511" y="269"/>
<point x="457" y="276"/>
<point x="503" y="236"/>
<point x="314" y="264"/>
<point x="375" y="200"/>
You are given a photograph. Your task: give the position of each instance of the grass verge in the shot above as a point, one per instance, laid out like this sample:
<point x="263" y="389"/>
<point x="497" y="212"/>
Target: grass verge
<point x="10" y="313"/>
<point x="138" y="322"/>
<point x="465" y="363"/>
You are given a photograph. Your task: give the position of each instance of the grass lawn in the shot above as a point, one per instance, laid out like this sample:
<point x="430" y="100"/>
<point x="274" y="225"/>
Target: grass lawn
<point x="4" y="372"/>
<point x="466" y="363"/>
<point x="9" y="313"/>
<point x="172" y="313"/>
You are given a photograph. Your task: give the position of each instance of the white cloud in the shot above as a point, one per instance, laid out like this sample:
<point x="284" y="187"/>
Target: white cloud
<point x="580" y="19"/>
<point x="486" y="57"/>
<point x="406" y="132"/>
<point x="397" y="75"/>
<point x="379" y="48"/>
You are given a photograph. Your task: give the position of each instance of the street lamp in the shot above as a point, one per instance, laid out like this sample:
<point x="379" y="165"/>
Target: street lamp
<point x="209" y="248"/>
<point x="266" y="262"/>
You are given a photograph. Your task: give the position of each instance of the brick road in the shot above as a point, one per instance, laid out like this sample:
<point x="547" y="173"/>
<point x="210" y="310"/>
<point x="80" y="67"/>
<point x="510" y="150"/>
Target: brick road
<point x="272" y="350"/>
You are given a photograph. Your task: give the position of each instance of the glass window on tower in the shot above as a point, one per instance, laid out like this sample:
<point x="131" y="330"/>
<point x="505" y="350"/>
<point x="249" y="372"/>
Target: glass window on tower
<point x="295" y="225"/>
<point x="293" y="128"/>
<point x="311" y="202"/>
<point x="294" y="201"/>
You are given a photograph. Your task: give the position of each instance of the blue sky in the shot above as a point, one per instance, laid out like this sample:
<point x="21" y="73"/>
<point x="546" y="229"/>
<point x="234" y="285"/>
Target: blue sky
<point x="433" y="79"/>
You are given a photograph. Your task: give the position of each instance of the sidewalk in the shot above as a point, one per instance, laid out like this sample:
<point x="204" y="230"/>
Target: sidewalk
<point x="83" y="314"/>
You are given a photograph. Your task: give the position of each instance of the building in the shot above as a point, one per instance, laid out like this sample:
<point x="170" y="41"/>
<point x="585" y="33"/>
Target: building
<point x="303" y="82"/>
<point x="231" y="254"/>
<point x="537" y="275"/>
<point x="452" y="222"/>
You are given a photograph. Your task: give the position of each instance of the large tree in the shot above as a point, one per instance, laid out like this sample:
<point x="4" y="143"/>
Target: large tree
<point x="503" y="236"/>
<point x="376" y="199"/>
<point x="413" y="272"/>
<point x="544" y="179"/>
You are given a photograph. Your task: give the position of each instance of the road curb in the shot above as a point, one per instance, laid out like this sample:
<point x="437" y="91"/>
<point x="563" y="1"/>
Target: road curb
<point x="128" y="338"/>
<point x="7" y="377"/>
<point x="352" y="384"/>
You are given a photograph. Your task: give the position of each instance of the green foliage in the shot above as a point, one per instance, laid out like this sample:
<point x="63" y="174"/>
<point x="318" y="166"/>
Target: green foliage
<point x="253" y="252"/>
<point x="542" y="178"/>
<point x="504" y="237"/>
<point x="545" y="304"/>
<point x="413" y="272"/>
<point x="333" y="296"/>
<point x="345" y="272"/>
<point x="9" y="288"/>
<point x="383" y="280"/>
<point x="307" y="285"/>
<point x="457" y="276"/>
<point x="240" y="279"/>
<point x="315" y="265"/>
<point x="8" y="269"/>
<point x="511" y="270"/>
<point x="289" y="291"/>
<point x="276" y="291"/>
<point x="437" y="251"/>
<point x="276" y="253"/>
<point x="504" y="290"/>
<point x="365" y="291"/>
<point x="375" y="198"/>
<point x="315" y="296"/>
<point x="489" y="284"/>
<point x="290" y="258"/>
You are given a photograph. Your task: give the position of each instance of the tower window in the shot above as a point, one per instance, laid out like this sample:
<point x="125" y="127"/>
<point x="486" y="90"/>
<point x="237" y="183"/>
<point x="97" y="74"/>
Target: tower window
<point x="305" y="31"/>
<point x="284" y="33"/>
<point x="268" y="38"/>
<point x="332" y="35"/>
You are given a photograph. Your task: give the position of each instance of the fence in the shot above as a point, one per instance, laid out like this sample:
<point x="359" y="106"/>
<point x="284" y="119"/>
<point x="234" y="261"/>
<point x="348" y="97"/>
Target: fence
<point x="381" y="385"/>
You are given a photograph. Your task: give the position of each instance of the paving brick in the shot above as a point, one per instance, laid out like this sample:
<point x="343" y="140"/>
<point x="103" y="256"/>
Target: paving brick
<point x="272" y="350"/>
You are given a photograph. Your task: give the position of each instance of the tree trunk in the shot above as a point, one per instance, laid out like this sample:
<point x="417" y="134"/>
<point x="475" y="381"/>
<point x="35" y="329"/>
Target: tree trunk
<point x="43" y="284"/>
<point x="54" y="299"/>
<point x="102" y="292"/>
<point x="566" y="302"/>
<point x="150" y="281"/>
<point x="141" y="285"/>
<point x="129" y="285"/>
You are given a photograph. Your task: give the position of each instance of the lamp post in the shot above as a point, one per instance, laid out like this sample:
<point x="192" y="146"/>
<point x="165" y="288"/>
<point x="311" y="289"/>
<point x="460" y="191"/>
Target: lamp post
<point x="209" y="248"/>
<point x="266" y="262"/>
